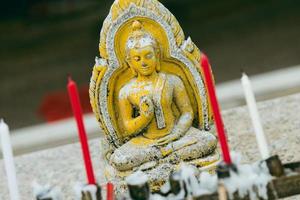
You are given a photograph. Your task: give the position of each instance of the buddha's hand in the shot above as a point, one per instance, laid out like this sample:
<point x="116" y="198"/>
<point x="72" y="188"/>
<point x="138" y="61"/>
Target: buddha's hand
<point x="174" y="135"/>
<point x="146" y="107"/>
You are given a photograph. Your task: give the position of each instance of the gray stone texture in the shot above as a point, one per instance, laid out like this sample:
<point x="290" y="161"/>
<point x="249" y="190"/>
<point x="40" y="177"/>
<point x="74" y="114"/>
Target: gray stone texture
<point x="63" y="166"/>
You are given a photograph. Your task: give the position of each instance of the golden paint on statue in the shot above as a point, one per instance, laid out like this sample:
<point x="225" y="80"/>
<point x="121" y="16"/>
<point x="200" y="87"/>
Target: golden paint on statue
<point x="147" y="92"/>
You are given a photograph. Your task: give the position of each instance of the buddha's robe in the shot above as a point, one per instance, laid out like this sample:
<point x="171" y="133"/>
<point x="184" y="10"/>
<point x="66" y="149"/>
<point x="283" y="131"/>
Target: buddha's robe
<point x="173" y="112"/>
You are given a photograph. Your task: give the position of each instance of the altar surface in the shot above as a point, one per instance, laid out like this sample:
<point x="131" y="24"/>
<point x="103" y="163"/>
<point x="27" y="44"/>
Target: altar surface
<point x="63" y="166"/>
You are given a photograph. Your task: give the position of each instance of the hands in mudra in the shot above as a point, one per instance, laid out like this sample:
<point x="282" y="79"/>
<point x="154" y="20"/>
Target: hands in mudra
<point x="147" y="110"/>
<point x="175" y="134"/>
<point x="146" y="107"/>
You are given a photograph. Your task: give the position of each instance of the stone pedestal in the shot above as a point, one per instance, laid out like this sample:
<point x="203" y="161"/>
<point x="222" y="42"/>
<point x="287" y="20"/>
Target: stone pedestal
<point x="63" y="166"/>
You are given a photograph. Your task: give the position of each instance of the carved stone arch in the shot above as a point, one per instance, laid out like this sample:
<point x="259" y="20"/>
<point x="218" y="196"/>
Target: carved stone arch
<point x="180" y="57"/>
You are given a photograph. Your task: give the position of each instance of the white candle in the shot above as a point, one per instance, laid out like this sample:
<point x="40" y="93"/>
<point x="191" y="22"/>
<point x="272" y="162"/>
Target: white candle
<point x="250" y="99"/>
<point x="9" y="161"/>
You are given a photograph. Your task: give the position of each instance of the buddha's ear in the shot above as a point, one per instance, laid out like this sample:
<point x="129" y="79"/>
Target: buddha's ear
<point x="128" y="62"/>
<point x="158" y="57"/>
<point x="158" y="52"/>
<point x="133" y="71"/>
<point x="158" y="66"/>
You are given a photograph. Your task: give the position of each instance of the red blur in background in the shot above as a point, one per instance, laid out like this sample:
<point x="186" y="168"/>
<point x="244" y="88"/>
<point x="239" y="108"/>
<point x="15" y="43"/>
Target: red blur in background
<point x="56" y="106"/>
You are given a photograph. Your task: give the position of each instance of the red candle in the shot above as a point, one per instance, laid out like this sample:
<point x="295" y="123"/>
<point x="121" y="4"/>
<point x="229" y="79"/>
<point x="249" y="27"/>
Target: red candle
<point x="215" y="108"/>
<point x="75" y="102"/>
<point x="109" y="191"/>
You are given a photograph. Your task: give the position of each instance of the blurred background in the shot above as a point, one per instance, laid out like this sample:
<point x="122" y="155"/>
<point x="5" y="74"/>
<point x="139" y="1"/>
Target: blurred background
<point x="42" y="41"/>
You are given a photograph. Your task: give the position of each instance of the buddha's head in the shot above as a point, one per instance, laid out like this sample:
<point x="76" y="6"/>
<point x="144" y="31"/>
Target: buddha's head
<point x="142" y="51"/>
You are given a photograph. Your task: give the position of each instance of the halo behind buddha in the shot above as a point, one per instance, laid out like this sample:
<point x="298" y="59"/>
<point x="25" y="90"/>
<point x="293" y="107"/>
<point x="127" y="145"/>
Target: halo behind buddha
<point x="178" y="56"/>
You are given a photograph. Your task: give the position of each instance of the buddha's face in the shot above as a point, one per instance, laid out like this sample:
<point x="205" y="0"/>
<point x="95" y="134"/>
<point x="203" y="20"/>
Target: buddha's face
<point x="143" y="60"/>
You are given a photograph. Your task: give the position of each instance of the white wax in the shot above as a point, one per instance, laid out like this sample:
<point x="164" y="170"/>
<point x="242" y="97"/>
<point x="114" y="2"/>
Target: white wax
<point x="250" y="99"/>
<point x="9" y="161"/>
<point x="137" y="178"/>
<point x="79" y="188"/>
<point x="46" y="192"/>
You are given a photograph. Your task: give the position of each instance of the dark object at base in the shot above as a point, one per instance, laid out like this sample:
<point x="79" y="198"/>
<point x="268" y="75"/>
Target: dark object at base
<point x="281" y="187"/>
<point x="275" y="166"/>
<point x="223" y="170"/>
<point x="175" y="183"/>
<point x="86" y="195"/>
<point x="139" y="192"/>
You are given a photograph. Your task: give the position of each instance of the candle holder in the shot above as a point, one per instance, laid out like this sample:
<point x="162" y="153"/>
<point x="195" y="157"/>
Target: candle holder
<point x="138" y="186"/>
<point x="89" y="192"/>
<point x="223" y="170"/>
<point x="175" y="183"/>
<point x="285" y="182"/>
<point x="275" y="166"/>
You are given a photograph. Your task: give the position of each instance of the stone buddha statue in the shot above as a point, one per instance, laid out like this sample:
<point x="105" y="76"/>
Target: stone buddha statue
<point x="148" y="94"/>
<point x="145" y="104"/>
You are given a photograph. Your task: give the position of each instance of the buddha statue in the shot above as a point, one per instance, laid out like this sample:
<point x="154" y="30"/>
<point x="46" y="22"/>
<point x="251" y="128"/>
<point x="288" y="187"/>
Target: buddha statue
<point x="148" y="94"/>
<point x="145" y="104"/>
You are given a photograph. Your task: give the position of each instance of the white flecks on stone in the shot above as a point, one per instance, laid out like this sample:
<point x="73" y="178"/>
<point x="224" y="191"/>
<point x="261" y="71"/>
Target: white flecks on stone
<point x="141" y="42"/>
<point x="100" y="61"/>
<point x="148" y="165"/>
<point x="155" y="93"/>
<point x="133" y="88"/>
<point x="188" y="45"/>
<point x="194" y="144"/>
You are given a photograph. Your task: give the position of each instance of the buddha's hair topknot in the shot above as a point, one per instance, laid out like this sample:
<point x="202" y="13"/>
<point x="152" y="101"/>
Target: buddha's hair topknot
<point x="139" y="38"/>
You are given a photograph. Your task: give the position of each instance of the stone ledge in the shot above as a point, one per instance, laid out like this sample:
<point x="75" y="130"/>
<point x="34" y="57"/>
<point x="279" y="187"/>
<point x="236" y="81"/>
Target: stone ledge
<point x="63" y="166"/>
